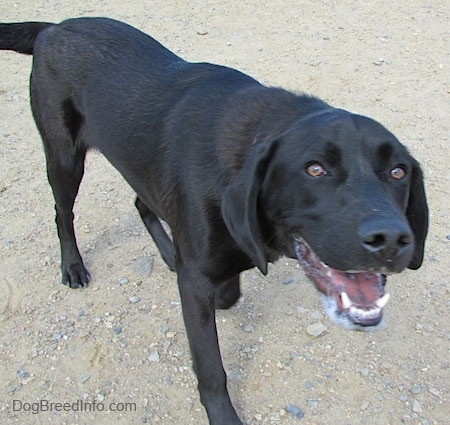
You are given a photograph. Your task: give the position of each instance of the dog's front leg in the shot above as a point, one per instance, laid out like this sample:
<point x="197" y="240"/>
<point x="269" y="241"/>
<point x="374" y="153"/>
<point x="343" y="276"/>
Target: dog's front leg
<point x="197" y="299"/>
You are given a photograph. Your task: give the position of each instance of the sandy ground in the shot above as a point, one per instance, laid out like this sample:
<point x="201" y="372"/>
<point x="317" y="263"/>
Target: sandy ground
<point x="122" y="340"/>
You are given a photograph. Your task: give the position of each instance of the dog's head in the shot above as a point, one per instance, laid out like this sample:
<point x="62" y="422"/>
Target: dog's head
<point x="340" y="193"/>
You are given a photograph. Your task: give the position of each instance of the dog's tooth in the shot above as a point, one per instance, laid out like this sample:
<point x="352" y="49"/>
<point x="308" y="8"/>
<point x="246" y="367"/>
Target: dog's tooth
<point x="381" y="302"/>
<point x="366" y="314"/>
<point x="346" y="302"/>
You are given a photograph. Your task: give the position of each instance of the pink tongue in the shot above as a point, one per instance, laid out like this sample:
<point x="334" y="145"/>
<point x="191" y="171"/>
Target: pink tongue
<point x="362" y="288"/>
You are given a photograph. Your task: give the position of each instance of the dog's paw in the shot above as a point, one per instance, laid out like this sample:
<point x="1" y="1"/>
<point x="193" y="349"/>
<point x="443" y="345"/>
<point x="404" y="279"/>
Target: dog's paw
<point x="75" y="276"/>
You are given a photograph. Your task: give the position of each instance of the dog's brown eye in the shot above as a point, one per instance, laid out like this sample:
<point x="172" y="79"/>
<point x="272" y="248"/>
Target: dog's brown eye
<point x="316" y="170"/>
<point x="398" y="173"/>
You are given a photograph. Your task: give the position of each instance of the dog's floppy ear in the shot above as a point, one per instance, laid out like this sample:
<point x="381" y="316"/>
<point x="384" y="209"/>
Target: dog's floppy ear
<point x="417" y="215"/>
<point x="240" y="204"/>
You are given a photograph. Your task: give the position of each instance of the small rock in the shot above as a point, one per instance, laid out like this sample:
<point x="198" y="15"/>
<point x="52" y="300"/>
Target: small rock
<point x="248" y="328"/>
<point x="143" y="266"/>
<point x="22" y="375"/>
<point x="312" y="403"/>
<point x="316" y="329"/>
<point x="364" y="405"/>
<point x="416" y="407"/>
<point x="84" y="379"/>
<point x="117" y="330"/>
<point x="364" y="371"/>
<point x="294" y="411"/>
<point x="415" y="389"/>
<point x="154" y="357"/>
<point x="134" y="299"/>
<point x="13" y="388"/>
<point x="434" y="391"/>
<point x="123" y="281"/>
<point x="287" y="281"/>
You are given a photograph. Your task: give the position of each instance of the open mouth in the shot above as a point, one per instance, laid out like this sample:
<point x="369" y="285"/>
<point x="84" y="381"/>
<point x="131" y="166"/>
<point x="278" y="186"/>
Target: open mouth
<point x="352" y="299"/>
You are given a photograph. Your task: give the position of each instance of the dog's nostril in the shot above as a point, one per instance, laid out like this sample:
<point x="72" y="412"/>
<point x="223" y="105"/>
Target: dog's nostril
<point x="404" y="240"/>
<point x="375" y="241"/>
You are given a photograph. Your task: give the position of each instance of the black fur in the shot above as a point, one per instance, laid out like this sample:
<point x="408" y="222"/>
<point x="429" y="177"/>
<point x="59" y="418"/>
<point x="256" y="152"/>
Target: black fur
<point x="224" y="161"/>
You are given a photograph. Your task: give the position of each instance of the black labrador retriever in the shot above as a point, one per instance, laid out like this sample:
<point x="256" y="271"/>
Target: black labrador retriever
<point x="242" y="174"/>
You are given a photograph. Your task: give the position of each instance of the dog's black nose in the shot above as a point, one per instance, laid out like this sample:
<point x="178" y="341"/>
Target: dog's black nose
<point x="389" y="238"/>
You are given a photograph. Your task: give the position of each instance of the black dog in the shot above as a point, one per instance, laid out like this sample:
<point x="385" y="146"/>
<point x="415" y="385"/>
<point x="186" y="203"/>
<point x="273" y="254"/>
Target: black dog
<point x="242" y="174"/>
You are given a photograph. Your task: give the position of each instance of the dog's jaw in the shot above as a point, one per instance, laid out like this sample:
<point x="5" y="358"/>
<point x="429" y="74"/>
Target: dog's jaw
<point x="353" y="300"/>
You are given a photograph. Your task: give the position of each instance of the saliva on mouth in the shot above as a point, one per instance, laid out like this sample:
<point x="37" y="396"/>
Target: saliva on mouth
<point x="353" y="300"/>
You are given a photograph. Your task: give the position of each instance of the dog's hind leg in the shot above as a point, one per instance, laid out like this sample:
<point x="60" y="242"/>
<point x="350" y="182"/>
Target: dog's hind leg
<point x="65" y="180"/>
<point x="59" y="124"/>
<point x="157" y="232"/>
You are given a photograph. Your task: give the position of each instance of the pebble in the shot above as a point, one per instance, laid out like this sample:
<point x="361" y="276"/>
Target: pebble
<point x="416" y="407"/>
<point x="84" y="379"/>
<point x="117" y="330"/>
<point x="316" y="329"/>
<point x="142" y="266"/>
<point x="56" y="336"/>
<point x="134" y="299"/>
<point x="364" y="371"/>
<point x="434" y="391"/>
<point x="287" y="281"/>
<point x="22" y="375"/>
<point x="248" y="328"/>
<point x="294" y="411"/>
<point x="312" y="403"/>
<point x="154" y="357"/>
<point x="123" y="281"/>
<point x="364" y="405"/>
<point x="415" y="389"/>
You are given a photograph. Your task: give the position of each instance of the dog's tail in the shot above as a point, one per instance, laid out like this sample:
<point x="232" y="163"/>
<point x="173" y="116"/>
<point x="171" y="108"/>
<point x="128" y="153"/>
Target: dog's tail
<point x="21" y="36"/>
